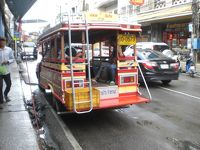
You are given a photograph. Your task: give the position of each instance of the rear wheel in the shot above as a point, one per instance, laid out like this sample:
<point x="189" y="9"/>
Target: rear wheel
<point x="40" y="87"/>
<point x="22" y="57"/>
<point x="166" y="82"/>
<point x="57" y="105"/>
<point x="192" y="74"/>
<point x="35" y="56"/>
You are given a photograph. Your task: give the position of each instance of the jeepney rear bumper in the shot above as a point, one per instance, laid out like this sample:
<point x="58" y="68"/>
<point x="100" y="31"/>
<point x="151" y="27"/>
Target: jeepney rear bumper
<point x="122" y="101"/>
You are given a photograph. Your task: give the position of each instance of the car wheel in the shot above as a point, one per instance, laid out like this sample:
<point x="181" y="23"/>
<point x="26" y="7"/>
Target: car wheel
<point x="40" y="87"/>
<point x="166" y="82"/>
<point x="35" y="56"/>
<point x="57" y="105"/>
<point x="22" y="57"/>
<point x="192" y="74"/>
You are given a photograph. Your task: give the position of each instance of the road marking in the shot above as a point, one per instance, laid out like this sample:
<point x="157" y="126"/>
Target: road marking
<point x="66" y="130"/>
<point x="181" y="93"/>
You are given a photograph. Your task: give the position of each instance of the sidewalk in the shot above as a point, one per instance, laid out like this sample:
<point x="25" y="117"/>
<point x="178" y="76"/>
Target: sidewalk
<point x="16" y="131"/>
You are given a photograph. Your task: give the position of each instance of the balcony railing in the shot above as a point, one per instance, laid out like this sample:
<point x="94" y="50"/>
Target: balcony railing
<point x="153" y="5"/>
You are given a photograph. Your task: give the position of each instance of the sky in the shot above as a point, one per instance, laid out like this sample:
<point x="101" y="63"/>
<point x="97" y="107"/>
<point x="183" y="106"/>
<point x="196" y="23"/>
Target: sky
<point x="42" y="9"/>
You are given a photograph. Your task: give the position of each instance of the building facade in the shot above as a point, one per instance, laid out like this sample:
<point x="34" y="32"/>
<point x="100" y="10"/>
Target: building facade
<point x="166" y="21"/>
<point x="162" y="20"/>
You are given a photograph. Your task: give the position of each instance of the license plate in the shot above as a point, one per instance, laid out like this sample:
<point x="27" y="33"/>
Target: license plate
<point x="164" y="66"/>
<point x="108" y="92"/>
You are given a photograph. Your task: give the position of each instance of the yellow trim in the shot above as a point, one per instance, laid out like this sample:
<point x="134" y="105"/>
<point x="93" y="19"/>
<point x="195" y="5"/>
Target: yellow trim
<point x="63" y="67"/>
<point x="131" y="74"/>
<point x="127" y="89"/>
<point x="127" y="63"/>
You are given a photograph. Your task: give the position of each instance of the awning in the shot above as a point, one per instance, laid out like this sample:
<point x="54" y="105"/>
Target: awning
<point x="19" y="7"/>
<point x="106" y="3"/>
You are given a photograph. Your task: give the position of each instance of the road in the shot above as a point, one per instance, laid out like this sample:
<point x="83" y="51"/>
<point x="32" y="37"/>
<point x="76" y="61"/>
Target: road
<point x="170" y="121"/>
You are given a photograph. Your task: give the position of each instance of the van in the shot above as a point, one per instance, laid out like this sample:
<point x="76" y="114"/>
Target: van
<point x="29" y="49"/>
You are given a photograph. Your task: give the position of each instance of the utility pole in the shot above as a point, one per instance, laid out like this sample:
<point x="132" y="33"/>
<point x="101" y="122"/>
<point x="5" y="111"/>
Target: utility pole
<point x="84" y="7"/>
<point x="195" y="25"/>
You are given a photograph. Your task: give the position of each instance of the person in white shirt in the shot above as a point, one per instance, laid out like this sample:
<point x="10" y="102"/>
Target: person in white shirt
<point x="6" y="58"/>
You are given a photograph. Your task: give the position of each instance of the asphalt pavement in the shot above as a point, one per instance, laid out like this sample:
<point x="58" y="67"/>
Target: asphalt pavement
<point x="169" y="122"/>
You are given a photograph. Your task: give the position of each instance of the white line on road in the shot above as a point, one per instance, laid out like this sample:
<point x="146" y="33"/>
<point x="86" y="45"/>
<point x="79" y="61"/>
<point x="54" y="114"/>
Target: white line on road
<point x="195" y="97"/>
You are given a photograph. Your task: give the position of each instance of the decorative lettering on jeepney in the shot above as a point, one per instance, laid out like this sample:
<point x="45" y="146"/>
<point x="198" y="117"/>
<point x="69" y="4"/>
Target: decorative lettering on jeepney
<point x="108" y="92"/>
<point x="100" y="16"/>
<point x="126" y="39"/>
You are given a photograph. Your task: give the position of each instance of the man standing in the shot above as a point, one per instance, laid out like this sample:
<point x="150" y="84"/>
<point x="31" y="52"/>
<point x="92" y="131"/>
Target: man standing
<point x="6" y="57"/>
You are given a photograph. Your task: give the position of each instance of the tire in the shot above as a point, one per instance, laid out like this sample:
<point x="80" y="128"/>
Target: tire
<point x="166" y="82"/>
<point x="41" y="88"/>
<point x="35" y="57"/>
<point x="192" y="74"/>
<point x="22" y="57"/>
<point x="57" y="105"/>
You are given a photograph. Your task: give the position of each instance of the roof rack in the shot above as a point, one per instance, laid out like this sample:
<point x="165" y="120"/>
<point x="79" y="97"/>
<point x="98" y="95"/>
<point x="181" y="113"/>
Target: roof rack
<point x="94" y="21"/>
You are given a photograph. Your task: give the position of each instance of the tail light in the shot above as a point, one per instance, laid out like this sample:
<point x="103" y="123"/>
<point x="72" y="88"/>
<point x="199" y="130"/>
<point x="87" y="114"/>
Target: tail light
<point x="127" y="80"/>
<point x="77" y="83"/>
<point x="175" y="66"/>
<point x="149" y="65"/>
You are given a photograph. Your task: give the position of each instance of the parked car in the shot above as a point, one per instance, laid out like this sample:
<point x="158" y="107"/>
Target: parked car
<point x="28" y="49"/>
<point x="160" y="47"/>
<point x="157" y="67"/>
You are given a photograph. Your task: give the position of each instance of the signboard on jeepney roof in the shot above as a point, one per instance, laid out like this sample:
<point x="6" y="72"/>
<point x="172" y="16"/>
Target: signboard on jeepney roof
<point x="126" y="39"/>
<point x="101" y="16"/>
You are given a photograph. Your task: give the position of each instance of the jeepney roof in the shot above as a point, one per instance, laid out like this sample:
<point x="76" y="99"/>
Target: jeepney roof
<point x="80" y="24"/>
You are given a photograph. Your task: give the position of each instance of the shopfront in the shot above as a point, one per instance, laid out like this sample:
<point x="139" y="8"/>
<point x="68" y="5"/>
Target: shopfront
<point x="176" y="35"/>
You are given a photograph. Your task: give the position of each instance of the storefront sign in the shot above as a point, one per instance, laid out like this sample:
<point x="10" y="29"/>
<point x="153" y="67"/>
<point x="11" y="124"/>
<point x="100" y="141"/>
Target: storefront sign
<point x="136" y="2"/>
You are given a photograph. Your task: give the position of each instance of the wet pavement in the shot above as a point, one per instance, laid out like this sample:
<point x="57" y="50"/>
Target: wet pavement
<point x="171" y="121"/>
<point x="16" y="131"/>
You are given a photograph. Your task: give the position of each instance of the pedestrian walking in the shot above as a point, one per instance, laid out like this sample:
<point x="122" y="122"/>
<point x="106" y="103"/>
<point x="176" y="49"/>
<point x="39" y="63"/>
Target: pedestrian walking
<point x="6" y="58"/>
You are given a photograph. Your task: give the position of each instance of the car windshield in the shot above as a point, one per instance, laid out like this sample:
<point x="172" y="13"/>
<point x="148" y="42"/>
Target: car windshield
<point x="29" y="44"/>
<point x="149" y="54"/>
<point x="160" y="47"/>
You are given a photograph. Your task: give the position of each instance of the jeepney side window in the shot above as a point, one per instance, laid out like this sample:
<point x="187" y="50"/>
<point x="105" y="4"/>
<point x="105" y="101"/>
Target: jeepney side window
<point x="47" y="53"/>
<point x="58" y="51"/>
<point x="52" y="49"/>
